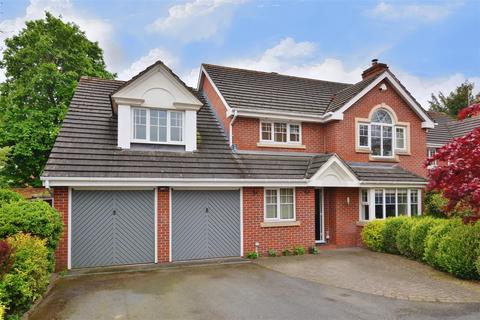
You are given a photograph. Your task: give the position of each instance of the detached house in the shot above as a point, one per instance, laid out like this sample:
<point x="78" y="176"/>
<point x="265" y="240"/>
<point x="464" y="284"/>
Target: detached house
<point x="150" y="170"/>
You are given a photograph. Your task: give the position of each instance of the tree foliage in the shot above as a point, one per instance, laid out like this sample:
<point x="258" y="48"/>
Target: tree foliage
<point x="457" y="174"/>
<point x="457" y="100"/>
<point x="43" y="64"/>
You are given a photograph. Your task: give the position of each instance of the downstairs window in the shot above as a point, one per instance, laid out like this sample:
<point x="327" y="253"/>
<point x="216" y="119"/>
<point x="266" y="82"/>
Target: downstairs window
<point x="379" y="203"/>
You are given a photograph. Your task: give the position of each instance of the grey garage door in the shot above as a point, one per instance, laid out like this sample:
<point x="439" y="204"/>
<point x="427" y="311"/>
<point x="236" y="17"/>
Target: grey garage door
<point x="112" y="227"/>
<point x="205" y="224"/>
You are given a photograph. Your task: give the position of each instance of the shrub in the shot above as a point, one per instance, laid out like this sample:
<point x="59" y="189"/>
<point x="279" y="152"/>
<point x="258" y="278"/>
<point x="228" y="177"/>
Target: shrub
<point x="8" y="196"/>
<point x="402" y="239"/>
<point x="2" y="312"/>
<point x="419" y="234"/>
<point x="433" y="239"/>
<point x="435" y="205"/>
<point x="34" y="217"/>
<point x="298" y="251"/>
<point x="252" y="255"/>
<point x="286" y="252"/>
<point x="313" y="250"/>
<point x="29" y="276"/>
<point x="392" y="226"/>
<point x="477" y="264"/>
<point x="372" y="235"/>
<point x="458" y="251"/>
<point x="272" y="253"/>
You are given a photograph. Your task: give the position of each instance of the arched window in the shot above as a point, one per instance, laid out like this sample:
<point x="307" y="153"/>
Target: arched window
<point x="382" y="135"/>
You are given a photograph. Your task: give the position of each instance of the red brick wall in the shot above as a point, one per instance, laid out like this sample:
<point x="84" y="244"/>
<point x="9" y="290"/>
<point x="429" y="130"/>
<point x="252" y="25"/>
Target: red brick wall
<point x="216" y="104"/>
<point x="340" y="217"/>
<point x="60" y="202"/>
<point x="246" y="135"/>
<point x="340" y="135"/>
<point x="163" y="216"/>
<point x="277" y="238"/>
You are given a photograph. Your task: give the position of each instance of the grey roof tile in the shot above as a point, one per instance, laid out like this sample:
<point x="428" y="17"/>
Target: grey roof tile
<point x="448" y="128"/>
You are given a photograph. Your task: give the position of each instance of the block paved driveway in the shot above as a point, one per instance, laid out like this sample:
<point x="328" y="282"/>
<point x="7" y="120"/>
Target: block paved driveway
<point x="235" y="291"/>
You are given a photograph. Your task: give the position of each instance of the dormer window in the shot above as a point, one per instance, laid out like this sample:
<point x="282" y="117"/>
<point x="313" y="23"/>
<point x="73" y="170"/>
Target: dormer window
<point x="157" y="126"/>
<point x="381" y="135"/>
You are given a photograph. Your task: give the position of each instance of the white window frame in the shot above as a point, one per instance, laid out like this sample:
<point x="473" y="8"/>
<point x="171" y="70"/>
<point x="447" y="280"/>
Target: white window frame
<point x="278" y="219"/>
<point x="394" y="127"/>
<point x="363" y="203"/>
<point x="358" y="135"/>
<point x="371" y="204"/>
<point x="430" y="154"/>
<point x="404" y="130"/>
<point x="147" y="137"/>
<point x="272" y="132"/>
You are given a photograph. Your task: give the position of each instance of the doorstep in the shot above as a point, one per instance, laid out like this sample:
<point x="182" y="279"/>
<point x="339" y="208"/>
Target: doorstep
<point x="153" y="266"/>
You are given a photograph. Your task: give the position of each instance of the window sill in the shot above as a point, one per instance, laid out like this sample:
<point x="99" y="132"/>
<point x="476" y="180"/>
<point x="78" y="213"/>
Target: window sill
<point x="362" y="150"/>
<point x="281" y="145"/>
<point x="271" y="224"/>
<point x="362" y="223"/>
<point x="170" y="143"/>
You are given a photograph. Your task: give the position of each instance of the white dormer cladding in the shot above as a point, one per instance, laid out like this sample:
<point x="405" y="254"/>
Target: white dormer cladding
<point x="156" y="89"/>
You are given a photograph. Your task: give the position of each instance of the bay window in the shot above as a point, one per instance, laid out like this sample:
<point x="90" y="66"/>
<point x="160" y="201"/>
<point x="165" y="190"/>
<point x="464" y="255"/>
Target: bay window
<point x="381" y="135"/>
<point x="279" y="204"/>
<point x="381" y="203"/>
<point x="280" y="132"/>
<point x="157" y="126"/>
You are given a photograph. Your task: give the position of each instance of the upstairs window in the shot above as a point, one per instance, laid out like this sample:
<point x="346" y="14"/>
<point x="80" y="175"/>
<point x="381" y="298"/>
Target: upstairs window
<point x="157" y="126"/>
<point x="280" y="132"/>
<point x="381" y="135"/>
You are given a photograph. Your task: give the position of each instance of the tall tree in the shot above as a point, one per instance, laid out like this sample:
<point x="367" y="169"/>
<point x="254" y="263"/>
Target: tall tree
<point x="43" y="64"/>
<point x="458" y="99"/>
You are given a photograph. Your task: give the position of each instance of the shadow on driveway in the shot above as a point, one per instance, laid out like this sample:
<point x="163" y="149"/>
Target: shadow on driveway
<point x="243" y="291"/>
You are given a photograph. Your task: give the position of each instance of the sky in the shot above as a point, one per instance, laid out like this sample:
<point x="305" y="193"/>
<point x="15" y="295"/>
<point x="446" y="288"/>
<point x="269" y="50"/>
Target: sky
<point x="430" y="46"/>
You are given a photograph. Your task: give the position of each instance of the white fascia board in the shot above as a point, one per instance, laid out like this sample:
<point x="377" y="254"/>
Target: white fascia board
<point x="390" y="184"/>
<point x="427" y="123"/>
<point x="179" y="182"/>
<point x="290" y="116"/>
<point x="203" y="71"/>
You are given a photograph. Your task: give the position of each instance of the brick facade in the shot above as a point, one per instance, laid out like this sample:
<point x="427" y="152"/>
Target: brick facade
<point x="163" y="226"/>
<point x="345" y="146"/>
<point x="60" y="202"/>
<point x="277" y="238"/>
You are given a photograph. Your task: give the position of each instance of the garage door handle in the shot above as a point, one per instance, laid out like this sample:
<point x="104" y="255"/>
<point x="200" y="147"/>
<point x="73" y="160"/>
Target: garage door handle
<point x="114" y="212"/>
<point x="206" y="210"/>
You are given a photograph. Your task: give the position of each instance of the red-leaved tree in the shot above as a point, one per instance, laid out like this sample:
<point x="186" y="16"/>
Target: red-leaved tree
<point x="457" y="174"/>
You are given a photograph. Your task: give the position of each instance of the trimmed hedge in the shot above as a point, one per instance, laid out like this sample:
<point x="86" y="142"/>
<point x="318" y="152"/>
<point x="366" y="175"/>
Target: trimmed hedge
<point x="28" y="277"/>
<point x="390" y="230"/>
<point x="403" y="238"/>
<point x="8" y="196"/>
<point x="34" y="217"/>
<point x="448" y="245"/>
<point x="372" y="235"/>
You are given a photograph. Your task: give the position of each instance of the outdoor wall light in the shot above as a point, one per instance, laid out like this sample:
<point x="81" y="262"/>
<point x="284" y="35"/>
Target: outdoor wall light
<point x="257" y="246"/>
<point x="348" y="200"/>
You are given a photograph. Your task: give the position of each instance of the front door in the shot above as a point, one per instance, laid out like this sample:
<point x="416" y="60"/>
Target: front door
<point x="319" y="220"/>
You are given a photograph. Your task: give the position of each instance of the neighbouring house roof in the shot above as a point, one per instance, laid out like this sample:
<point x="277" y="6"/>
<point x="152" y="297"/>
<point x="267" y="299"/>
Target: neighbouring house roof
<point x="86" y="147"/>
<point x="447" y="128"/>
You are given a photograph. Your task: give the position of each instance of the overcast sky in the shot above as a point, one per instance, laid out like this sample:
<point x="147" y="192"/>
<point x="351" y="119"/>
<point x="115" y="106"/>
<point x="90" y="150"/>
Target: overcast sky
<point x="430" y="46"/>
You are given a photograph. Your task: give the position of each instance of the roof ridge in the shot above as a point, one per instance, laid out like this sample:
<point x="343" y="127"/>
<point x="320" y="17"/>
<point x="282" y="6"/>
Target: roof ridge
<point x="276" y="73"/>
<point x="98" y="78"/>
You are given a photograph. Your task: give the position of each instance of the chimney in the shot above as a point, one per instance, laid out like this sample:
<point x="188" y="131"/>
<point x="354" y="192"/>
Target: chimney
<point x="375" y="69"/>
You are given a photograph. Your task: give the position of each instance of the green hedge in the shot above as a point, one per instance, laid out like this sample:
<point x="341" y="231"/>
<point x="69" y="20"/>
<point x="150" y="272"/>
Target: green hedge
<point x="448" y="245"/>
<point x="29" y="276"/>
<point x="403" y="237"/>
<point x="7" y="196"/>
<point x="34" y="217"/>
<point x="372" y="235"/>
